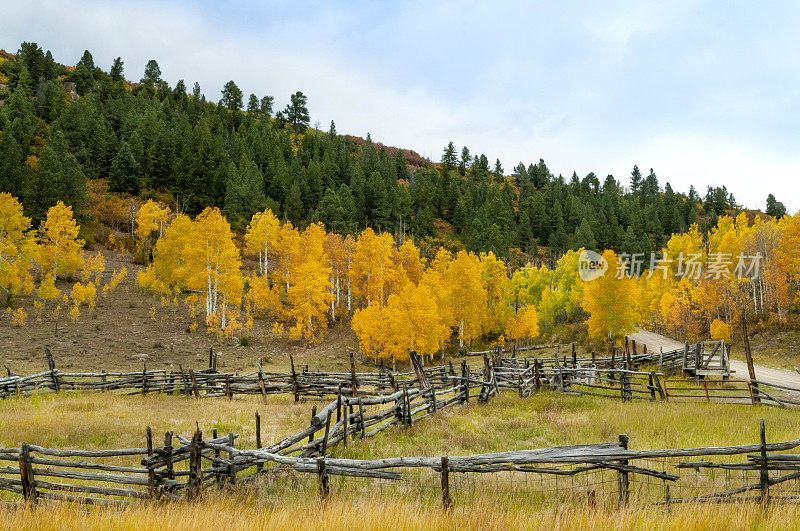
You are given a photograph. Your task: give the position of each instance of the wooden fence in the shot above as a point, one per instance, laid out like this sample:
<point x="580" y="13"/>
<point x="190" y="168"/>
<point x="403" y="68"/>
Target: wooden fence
<point x="184" y="470"/>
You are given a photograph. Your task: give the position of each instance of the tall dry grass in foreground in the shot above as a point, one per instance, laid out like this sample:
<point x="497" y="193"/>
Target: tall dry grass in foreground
<point x="223" y="511"/>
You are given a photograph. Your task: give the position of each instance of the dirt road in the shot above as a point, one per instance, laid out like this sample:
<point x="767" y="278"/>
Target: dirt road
<point x="764" y="374"/>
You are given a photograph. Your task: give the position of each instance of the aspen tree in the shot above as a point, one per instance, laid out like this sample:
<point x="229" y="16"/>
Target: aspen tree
<point x="262" y="234"/>
<point x="609" y="301"/>
<point x="308" y="292"/>
<point x="468" y="295"/>
<point x="59" y="245"/>
<point x="213" y="264"/>
<point x="17" y="249"/>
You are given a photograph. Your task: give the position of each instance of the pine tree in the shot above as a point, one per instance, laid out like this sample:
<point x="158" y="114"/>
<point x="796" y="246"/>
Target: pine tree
<point x="126" y="172"/>
<point x="243" y="192"/>
<point x="152" y="73"/>
<point x="774" y="207"/>
<point x="584" y="237"/>
<point x="449" y="156"/>
<point x="636" y="179"/>
<point x="265" y="106"/>
<point x="296" y="112"/>
<point x="117" y="70"/>
<point x="232" y="96"/>
<point x="253" y="106"/>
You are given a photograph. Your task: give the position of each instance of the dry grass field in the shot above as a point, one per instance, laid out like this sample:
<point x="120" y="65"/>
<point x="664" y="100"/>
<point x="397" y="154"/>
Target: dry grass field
<point x="103" y="420"/>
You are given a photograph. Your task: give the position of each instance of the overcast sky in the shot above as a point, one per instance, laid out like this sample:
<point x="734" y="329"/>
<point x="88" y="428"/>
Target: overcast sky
<point x="706" y="93"/>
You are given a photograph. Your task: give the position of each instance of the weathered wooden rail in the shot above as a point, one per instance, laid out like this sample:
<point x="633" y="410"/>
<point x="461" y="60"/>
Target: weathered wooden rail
<point x="186" y="469"/>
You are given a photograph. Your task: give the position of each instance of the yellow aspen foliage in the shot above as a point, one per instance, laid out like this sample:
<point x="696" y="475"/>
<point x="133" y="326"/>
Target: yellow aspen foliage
<point x="566" y="281"/>
<point x="151" y="218"/>
<point x="720" y="331"/>
<point x="84" y="294"/>
<point x="116" y="279"/>
<point x="778" y="295"/>
<point x="17" y="248"/>
<point x="408" y="262"/>
<point x="264" y="299"/>
<point x="213" y="265"/>
<point x="18" y="317"/>
<point x="169" y="271"/>
<point x="677" y="310"/>
<point x="434" y="282"/>
<point x="413" y="323"/>
<point x="308" y="292"/>
<point x="92" y="266"/>
<point x="47" y="289"/>
<point x="59" y="245"/>
<point x="337" y="257"/>
<point x="262" y="234"/>
<point x="495" y="280"/>
<point x="788" y="245"/>
<point x="368" y="324"/>
<point x="373" y="270"/>
<point x="523" y="325"/>
<point x="609" y="300"/>
<point x="467" y="295"/>
<point x="681" y="248"/>
<point x="287" y="249"/>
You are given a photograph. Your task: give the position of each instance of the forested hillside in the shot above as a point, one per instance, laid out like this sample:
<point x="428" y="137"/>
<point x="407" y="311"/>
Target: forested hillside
<point x="65" y="127"/>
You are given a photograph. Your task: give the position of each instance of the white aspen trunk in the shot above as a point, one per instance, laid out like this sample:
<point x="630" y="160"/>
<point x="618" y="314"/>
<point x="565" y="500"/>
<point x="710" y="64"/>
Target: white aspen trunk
<point x="287" y="275"/>
<point x="369" y="291"/>
<point x="461" y="333"/>
<point x="333" y="303"/>
<point x="381" y="279"/>
<point x="348" y="281"/>
<point x="266" y="257"/>
<point x="338" y="292"/>
<point x="216" y="282"/>
<point x="224" y="304"/>
<point x="208" y="287"/>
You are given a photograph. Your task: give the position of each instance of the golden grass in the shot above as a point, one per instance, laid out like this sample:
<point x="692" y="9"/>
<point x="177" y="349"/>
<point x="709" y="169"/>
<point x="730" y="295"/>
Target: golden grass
<point x="93" y="420"/>
<point x="228" y="511"/>
<point x="549" y="419"/>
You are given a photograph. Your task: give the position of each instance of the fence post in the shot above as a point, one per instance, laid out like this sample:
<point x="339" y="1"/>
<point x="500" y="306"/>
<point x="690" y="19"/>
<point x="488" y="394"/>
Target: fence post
<point x="26" y="475"/>
<point x="322" y="476"/>
<point x="294" y="379"/>
<point x="623" y="476"/>
<point x="345" y="420"/>
<point x="325" y="438"/>
<point x="361" y="417"/>
<point x="764" y="474"/>
<point x="228" y="390"/>
<point x="261" y="384"/>
<point x="231" y="456"/>
<point x="313" y="414"/>
<point x="217" y="474"/>
<point x="144" y="378"/>
<point x="195" y="390"/>
<point x="446" y="499"/>
<point x="354" y="382"/>
<point x="53" y="373"/>
<point x="195" y="483"/>
<point x="151" y="475"/>
<point x="168" y="455"/>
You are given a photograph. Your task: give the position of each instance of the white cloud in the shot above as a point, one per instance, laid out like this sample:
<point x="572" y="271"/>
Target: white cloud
<point x="572" y="115"/>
